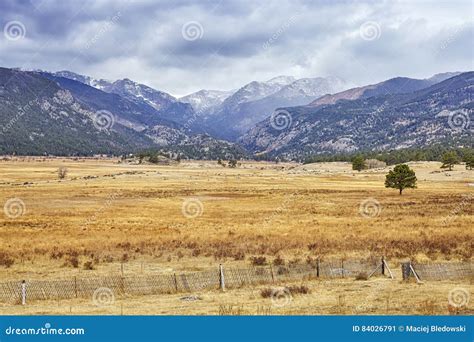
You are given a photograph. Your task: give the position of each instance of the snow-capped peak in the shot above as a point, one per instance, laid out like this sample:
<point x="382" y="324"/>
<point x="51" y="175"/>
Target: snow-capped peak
<point x="206" y="99"/>
<point x="281" y="80"/>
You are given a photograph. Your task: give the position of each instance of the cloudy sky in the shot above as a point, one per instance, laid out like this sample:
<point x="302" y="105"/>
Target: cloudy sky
<point x="181" y="46"/>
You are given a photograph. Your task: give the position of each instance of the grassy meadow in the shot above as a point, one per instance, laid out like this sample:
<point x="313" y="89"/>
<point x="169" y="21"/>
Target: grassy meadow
<point x="106" y="217"/>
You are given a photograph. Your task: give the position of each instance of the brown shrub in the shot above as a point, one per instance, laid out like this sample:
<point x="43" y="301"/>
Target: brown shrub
<point x="89" y="265"/>
<point x="362" y="276"/>
<point x="62" y="172"/>
<point x="239" y="255"/>
<point x="258" y="260"/>
<point x="266" y="292"/>
<point x="299" y="289"/>
<point x="6" y="260"/>
<point x="72" y="261"/>
<point x="278" y="261"/>
<point x="56" y="254"/>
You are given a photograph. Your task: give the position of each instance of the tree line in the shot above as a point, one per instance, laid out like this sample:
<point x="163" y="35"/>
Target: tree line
<point x="433" y="153"/>
<point x="448" y="159"/>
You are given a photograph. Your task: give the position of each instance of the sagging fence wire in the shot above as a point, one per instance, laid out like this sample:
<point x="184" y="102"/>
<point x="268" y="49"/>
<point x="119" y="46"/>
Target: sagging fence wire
<point x="16" y="292"/>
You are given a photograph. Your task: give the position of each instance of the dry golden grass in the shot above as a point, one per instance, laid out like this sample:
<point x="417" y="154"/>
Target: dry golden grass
<point x="133" y="214"/>
<point x="336" y="296"/>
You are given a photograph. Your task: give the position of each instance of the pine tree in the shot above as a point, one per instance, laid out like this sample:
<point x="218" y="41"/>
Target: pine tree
<point x="401" y="177"/>
<point x="358" y="163"/>
<point x="449" y="159"/>
<point x="469" y="160"/>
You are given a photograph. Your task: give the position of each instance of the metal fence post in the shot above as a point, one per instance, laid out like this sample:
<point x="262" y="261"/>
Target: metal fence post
<point x="221" y="277"/>
<point x="23" y="292"/>
<point x="383" y="265"/>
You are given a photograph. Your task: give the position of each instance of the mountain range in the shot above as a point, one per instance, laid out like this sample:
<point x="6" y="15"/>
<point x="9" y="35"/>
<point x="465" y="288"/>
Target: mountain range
<point x="387" y="120"/>
<point x="71" y="114"/>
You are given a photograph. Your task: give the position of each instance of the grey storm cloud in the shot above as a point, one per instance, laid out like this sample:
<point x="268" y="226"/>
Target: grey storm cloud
<point x="182" y="46"/>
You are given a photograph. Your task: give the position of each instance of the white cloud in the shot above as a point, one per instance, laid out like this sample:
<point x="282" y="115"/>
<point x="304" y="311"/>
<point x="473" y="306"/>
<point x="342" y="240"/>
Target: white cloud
<point x="242" y="40"/>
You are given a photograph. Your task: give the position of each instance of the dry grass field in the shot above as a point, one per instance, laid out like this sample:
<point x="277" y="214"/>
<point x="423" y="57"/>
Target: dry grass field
<point x="107" y="215"/>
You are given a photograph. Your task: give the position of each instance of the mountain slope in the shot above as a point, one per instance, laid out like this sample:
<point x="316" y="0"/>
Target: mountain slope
<point x="39" y="117"/>
<point x="130" y="113"/>
<point x="166" y="106"/>
<point x="396" y="85"/>
<point x="382" y="122"/>
<point x="90" y="81"/>
<point x="41" y="113"/>
<point x="204" y="101"/>
<point x="257" y="100"/>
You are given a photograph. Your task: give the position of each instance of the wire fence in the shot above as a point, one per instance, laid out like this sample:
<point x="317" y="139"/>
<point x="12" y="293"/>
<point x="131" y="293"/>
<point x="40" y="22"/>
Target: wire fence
<point x="438" y="271"/>
<point x="217" y="278"/>
<point x="18" y="292"/>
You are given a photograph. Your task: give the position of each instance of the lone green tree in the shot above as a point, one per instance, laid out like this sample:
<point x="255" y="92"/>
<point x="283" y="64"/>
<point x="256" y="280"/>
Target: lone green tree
<point x="358" y="163"/>
<point x="469" y="160"/>
<point x="449" y="159"/>
<point x="401" y="177"/>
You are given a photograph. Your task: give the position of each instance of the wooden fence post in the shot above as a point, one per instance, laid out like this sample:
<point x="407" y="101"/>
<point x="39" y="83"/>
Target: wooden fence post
<point x="122" y="285"/>
<point x="418" y="280"/>
<point x="175" y="282"/>
<point x="317" y="267"/>
<point x="75" y="286"/>
<point x="406" y="270"/>
<point x="342" y="267"/>
<point x="383" y="265"/>
<point x="387" y="268"/>
<point x="23" y="292"/>
<point x="221" y="277"/>
<point x="271" y="270"/>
